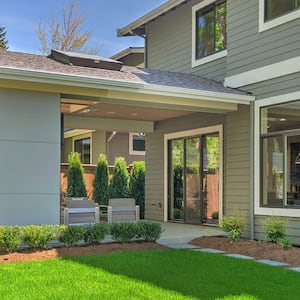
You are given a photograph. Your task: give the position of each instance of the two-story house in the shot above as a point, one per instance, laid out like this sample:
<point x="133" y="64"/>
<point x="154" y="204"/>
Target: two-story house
<point x="249" y="45"/>
<point x="217" y="102"/>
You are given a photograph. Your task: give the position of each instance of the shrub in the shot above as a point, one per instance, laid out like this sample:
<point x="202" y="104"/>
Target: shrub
<point x="274" y="228"/>
<point x="76" y="185"/>
<point x="123" y="232"/>
<point x="70" y="235"/>
<point x="285" y="243"/>
<point x="95" y="233"/>
<point x="148" y="231"/>
<point x="38" y="236"/>
<point x="9" y="238"/>
<point x="119" y="187"/>
<point x="101" y="181"/>
<point x="137" y="185"/>
<point x="233" y="224"/>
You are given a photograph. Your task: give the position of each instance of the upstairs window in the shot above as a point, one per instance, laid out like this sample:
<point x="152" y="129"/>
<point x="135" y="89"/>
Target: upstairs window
<point x="211" y="34"/>
<point x="277" y="8"/>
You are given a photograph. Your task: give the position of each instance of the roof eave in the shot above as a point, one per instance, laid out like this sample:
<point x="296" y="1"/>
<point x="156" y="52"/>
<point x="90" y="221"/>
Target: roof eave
<point x="129" y="29"/>
<point x="94" y="83"/>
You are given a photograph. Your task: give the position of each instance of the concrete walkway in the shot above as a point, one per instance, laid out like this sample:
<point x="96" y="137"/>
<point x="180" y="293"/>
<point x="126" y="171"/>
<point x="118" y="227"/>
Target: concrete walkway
<point x="181" y="234"/>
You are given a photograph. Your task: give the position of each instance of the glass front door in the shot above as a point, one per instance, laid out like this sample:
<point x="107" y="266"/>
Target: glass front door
<point x="193" y="189"/>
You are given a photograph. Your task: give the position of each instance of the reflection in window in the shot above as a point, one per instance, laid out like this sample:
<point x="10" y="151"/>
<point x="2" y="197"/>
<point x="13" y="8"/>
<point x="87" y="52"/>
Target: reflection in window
<point x="277" y="8"/>
<point x="137" y="143"/>
<point x="211" y="30"/>
<point x="280" y="155"/>
<point x="83" y="146"/>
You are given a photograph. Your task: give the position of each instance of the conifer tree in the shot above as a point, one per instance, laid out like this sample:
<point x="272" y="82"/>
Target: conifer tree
<point x="76" y="185"/>
<point x="119" y="187"/>
<point x="3" y="40"/>
<point x="137" y="185"/>
<point x="101" y="181"/>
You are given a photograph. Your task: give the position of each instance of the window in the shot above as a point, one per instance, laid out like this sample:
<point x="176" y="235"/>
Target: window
<point x="137" y="143"/>
<point x="211" y="34"/>
<point x="277" y="8"/>
<point x="83" y="146"/>
<point x="273" y="13"/>
<point x="280" y="156"/>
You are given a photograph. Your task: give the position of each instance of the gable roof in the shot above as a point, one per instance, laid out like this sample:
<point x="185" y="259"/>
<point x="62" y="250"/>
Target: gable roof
<point x="137" y="27"/>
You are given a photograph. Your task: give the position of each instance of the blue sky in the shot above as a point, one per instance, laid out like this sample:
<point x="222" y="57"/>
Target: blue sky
<point x="103" y="17"/>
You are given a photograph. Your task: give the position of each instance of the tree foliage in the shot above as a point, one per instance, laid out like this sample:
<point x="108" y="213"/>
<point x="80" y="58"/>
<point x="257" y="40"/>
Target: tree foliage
<point x="3" y="40"/>
<point x="76" y="185"/>
<point x="137" y="185"/>
<point x="66" y="33"/>
<point x="119" y="187"/>
<point x="101" y="181"/>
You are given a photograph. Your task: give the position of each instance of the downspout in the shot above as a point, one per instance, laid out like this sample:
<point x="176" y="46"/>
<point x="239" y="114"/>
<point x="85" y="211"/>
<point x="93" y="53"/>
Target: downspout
<point x="108" y="141"/>
<point x="252" y="149"/>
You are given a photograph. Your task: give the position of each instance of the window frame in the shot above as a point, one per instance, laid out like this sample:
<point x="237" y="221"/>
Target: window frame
<point x="277" y="21"/>
<point x="131" y="149"/>
<point x="256" y="164"/>
<point x="200" y="61"/>
<point x="82" y="137"/>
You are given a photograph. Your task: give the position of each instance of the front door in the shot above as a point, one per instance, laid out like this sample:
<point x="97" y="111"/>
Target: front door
<point x="193" y="173"/>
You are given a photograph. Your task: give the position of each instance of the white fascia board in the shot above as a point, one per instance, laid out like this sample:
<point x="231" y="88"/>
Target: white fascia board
<point x="123" y="86"/>
<point x="128" y="51"/>
<point x="127" y="30"/>
<point x="282" y="68"/>
<point x="198" y="94"/>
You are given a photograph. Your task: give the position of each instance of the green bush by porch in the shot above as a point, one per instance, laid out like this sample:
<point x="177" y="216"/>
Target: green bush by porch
<point x="101" y="181"/>
<point x="119" y="187"/>
<point x="76" y="185"/>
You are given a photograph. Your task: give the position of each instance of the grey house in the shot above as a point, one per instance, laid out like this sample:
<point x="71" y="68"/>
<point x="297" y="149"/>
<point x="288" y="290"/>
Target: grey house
<point x="252" y="46"/>
<point x="217" y="103"/>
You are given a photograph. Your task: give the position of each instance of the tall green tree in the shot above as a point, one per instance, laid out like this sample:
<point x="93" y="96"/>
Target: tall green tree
<point x="76" y="185"/>
<point x="3" y="40"/>
<point x="119" y="187"/>
<point x="137" y="185"/>
<point x="65" y="33"/>
<point x="101" y="181"/>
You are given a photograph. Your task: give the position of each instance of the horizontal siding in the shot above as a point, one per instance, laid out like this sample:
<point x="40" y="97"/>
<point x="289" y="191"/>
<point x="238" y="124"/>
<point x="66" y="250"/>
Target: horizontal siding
<point x="278" y="86"/>
<point x="247" y="48"/>
<point x="169" y="45"/>
<point x="154" y="180"/>
<point x="237" y="164"/>
<point x="292" y="230"/>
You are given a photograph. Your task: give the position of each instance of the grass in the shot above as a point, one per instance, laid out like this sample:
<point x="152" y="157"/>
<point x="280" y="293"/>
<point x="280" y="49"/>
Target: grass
<point x="156" y="274"/>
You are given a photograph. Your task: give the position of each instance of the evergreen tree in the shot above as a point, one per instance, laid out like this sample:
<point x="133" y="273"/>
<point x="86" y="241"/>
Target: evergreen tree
<point x="137" y="185"/>
<point x="119" y="187"/>
<point x="76" y="185"/>
<point x="3" y="41"/>
<point x="101" y="181"/>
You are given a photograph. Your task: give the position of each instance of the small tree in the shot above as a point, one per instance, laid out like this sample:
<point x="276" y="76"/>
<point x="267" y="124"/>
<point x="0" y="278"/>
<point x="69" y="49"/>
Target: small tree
<point x="119" y="187"/>
<point x="76" y="185"/>
<point x="65" y="33"/>
<point x="137" y="185"/>
<point x="101" y="181"/>
<point x="3" y="41"/>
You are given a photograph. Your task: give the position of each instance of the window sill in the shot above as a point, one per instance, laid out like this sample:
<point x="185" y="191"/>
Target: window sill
<point x="282" y="212"/>
<point x="207" y="59"/>
<point x="263" y="26"/>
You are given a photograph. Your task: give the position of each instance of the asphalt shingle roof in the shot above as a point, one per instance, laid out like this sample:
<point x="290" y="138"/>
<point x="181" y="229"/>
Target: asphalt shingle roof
<point x="33" y="62"/>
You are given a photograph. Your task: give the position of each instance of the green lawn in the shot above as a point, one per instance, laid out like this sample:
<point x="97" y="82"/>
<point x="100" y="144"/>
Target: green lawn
<point x="155" y="274"/>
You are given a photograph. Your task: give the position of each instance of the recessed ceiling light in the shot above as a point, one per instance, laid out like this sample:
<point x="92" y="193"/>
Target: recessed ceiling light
<point x="111" y="112"/>
<point x="85" y="111"/>
<point x="134" y="114"/>
<point x="282" y="119"/>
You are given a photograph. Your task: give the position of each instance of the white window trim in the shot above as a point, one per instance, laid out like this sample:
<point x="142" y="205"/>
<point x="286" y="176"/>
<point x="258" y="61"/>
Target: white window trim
<point x="131" y="151"/>
<point x="207" y="59"/>
<point x="263" y="26"/>
<point x="84" y="136"/>
<point x="268" y="211"/>
<point x="190" y="133"/>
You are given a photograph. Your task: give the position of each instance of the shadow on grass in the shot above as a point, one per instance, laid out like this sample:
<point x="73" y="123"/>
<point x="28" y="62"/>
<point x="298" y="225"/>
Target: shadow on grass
<point x="199" y="275"/>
